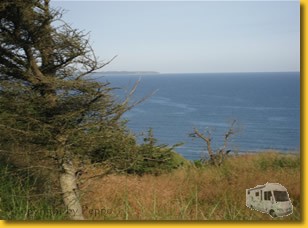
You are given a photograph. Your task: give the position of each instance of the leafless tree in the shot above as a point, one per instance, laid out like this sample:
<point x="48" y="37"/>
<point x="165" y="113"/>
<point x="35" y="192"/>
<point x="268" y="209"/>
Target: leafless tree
<point x="216" y="157"/>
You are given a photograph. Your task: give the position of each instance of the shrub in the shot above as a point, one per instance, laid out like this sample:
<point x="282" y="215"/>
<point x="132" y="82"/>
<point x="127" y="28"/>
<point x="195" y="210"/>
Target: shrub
<point x="120" y="150"/>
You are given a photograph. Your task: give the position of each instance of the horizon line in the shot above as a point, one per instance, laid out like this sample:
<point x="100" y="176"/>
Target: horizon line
<point x="216" y="72"/>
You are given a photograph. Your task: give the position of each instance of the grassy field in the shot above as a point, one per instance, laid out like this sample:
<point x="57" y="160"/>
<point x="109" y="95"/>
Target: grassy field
<point x="190" y="193"/>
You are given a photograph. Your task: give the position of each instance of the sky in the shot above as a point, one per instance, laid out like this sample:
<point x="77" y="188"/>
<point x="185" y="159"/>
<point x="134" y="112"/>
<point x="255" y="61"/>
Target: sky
<point x="190" y="36"/>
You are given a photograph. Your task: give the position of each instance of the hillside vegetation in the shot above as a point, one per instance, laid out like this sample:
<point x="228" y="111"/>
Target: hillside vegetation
<point x="187" y="193"/>
<point x="190" y="193"/>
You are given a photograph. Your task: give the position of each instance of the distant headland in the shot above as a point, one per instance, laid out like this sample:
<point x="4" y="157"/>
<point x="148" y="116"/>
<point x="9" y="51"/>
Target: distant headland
<point x="127" y="72"/>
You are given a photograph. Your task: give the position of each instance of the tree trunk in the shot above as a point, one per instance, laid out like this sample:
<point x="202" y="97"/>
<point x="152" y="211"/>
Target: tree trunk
<point x="69" y="189"/>
<point x="208" y="144"/>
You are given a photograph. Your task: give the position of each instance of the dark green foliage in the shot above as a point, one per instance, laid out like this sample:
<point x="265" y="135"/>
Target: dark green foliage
<point x="123" y="154"/>
<point x="153" y="158"/>
<point x="47" y="99"/>
<point x="44" y="97"/>
<point x="48" y="102"/>
<point x="113" y="144"/>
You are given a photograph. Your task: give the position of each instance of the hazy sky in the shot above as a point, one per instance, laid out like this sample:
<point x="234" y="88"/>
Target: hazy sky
<point x="201" y="36"/>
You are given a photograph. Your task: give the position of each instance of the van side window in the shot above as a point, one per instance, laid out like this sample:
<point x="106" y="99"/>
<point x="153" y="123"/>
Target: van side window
<point x="267" y="195"/>
<point x="257" y="193"/>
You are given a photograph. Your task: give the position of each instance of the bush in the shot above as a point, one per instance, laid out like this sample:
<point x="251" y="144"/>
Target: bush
<point x="153" y="158"/>
<point x="121" y="151"/>
<point x="115" y="142"/>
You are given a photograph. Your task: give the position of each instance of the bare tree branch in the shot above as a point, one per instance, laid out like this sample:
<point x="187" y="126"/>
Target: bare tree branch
<point x="218" y="157"/>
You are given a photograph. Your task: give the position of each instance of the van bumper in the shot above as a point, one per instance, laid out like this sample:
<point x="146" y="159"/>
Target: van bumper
<point x="284" y="212"/>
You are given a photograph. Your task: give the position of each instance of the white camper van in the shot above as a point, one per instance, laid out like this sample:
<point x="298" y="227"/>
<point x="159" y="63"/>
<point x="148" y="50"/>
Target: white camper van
<point x="271" y="198"/>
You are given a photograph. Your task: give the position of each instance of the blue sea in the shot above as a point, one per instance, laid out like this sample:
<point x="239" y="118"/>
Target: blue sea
<point x="266" y="107"/>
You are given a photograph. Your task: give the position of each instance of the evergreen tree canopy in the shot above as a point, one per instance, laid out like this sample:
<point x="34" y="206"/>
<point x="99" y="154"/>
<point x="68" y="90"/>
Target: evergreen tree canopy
<point x="46" y="95"/>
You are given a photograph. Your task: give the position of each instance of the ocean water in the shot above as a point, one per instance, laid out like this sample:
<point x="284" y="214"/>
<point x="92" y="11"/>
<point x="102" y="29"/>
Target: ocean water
<point x="266" y="107"/>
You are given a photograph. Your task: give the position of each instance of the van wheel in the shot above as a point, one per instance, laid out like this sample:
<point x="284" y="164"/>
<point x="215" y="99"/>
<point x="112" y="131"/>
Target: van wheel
<point x="273" y="213"/>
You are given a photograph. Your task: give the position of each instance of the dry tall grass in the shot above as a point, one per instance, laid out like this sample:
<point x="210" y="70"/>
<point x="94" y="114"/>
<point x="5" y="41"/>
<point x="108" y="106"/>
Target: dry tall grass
<point x="191" y="193"/>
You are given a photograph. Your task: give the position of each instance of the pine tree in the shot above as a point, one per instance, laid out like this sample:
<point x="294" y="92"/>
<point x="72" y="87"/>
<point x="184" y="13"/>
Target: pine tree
<point x="48" y="102"/>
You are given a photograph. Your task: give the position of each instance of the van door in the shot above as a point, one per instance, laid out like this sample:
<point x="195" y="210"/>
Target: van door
<point x="258" y="203"/>
<point x="267" y="202"/>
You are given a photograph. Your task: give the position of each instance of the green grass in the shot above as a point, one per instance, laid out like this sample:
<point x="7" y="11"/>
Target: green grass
<point x="21" y="200"/>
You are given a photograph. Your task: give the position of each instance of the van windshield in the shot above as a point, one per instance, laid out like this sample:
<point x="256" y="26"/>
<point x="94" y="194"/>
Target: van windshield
<point x="281" y="196"/>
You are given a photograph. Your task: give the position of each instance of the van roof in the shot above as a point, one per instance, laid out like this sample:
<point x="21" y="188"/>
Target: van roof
<point x="257" y="187"/>
<point x="267" y="185"/>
